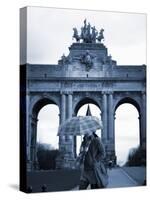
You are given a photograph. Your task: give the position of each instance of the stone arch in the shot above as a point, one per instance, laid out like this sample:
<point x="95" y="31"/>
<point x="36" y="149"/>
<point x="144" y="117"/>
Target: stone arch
<point x="129" y="100"/>
<point x="134" y="102"/>
<point x="85" y="100"/>
<point x="39" y="103"/>
<point x="37" y="99"/>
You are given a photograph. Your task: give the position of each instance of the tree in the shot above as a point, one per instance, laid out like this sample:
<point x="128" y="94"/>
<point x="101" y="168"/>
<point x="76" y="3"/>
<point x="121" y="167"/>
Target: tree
<point x="46" y="156"/>
<point x="136" y="157"/>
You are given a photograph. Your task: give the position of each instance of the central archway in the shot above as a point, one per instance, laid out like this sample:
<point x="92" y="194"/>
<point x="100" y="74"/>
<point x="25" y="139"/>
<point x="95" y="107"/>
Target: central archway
<point x="86" y="106"/>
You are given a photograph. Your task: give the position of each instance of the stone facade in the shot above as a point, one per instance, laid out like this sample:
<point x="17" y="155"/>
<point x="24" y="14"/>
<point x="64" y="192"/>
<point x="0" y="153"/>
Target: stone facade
<point x="86" y="75"/>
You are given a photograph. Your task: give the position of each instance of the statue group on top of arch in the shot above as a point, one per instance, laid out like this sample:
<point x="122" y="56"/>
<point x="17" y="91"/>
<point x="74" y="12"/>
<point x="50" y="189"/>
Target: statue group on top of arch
<point x="88" y="34"/>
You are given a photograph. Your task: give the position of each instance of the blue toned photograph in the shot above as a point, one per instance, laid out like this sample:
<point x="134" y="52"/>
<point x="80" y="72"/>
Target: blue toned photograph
<point x="82" y="99"/>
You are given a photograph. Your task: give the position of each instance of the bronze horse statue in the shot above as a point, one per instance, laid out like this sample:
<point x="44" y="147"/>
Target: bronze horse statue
<point x="100" y="36"/>
<point x="76" y="35"/>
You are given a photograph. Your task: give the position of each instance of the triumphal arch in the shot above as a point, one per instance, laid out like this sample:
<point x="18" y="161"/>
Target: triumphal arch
<point x="87" y="75"/>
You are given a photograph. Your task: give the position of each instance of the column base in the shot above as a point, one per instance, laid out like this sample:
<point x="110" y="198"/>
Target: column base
<point x="65" y="161"/>
<point x="111" y="159"/>
<point x="66" y="158"/>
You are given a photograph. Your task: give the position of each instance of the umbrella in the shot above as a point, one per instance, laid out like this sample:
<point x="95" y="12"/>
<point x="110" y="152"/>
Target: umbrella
<point x="80" y="126"/>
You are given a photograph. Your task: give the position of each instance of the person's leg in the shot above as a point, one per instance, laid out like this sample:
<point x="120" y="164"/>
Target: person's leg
<point x="83" y="185"/>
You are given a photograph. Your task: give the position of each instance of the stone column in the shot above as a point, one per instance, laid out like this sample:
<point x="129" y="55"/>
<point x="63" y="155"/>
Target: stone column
<point x="70" y="139"/>
<point x="143" y="121"/>
<point x="66" y="142"/>
<point x="27" y="131"/>
<point x="110" y="117"/>
<point x="29" y="134"/>
<point x="62" y="143"/>
<point x="111" y="137"/>
<point x="27" y="126"/>
<point x="69" y="105"/>
<point x="63" y="108"/>
<point x="62" y="118"/>
<point x="104" y="117"/>
<point x="33" y="158"/>
<point x="69" y="115"/>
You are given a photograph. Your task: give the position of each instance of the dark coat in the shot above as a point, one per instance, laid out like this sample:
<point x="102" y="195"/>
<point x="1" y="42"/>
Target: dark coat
<point x="95" y="153"/>
<point x="94" y="171"/>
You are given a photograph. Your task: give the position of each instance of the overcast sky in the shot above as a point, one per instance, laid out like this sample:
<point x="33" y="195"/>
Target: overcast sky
<point x="49" y="34"/>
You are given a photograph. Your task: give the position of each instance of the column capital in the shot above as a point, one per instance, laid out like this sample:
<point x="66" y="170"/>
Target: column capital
<point x="62" y="92"/>
<point x="107" y="92"/>
<point x="110" y="92"/>
<point x="70" y="93"/>
<point x="66" y="92"/>
<point x="104" y="92"/>
<point x="143" y="92"/>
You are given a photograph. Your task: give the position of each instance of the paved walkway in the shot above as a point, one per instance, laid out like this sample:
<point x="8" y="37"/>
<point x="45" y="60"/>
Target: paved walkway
<point x="118" y="178"/>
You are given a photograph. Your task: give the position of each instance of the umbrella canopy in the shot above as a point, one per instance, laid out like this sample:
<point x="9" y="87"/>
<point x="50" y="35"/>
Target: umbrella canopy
<point x="80" y="126"/>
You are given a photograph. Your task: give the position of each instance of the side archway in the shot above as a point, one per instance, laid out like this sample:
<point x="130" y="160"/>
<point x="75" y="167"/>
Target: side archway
<point x="127" y="128"/>
<point x="129" y="100"/>
<point x="33" y="129"/>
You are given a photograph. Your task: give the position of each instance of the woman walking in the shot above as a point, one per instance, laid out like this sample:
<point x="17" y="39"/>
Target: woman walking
<point x="91" y="158"/>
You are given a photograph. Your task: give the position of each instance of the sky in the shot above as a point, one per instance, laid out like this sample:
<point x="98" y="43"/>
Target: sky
<point x="49" y="34"/>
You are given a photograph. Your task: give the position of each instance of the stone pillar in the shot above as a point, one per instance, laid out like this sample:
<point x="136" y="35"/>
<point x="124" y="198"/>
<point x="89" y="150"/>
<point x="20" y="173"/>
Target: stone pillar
<point x="62" y="118"/>
<point x="110" y="117"/>
<point x="62" y="146"/>
<point x="104" y="117"/>
<point x="110" y="122"/>
<point x="63" y="108"/>
<point x="69" y="105"/>
<point x="143" y="121"/>
<point x="33" y="153"/>
<point x="28" y="117"/>
<point x="29" y="134"/>
<point x="66" y="142"/>
<point x="70" y="139"/>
